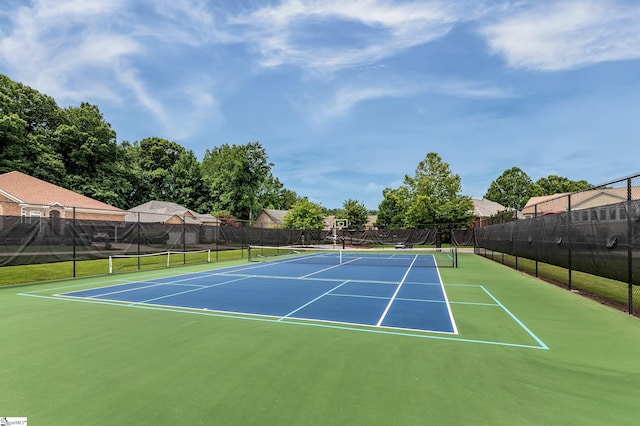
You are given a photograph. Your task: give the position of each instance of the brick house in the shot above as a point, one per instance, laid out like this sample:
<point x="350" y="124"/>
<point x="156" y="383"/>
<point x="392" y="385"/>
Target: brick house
<point x="29" y="197"/>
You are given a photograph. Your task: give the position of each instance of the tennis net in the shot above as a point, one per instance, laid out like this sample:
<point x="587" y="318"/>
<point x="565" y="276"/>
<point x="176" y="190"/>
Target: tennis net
<point x="165" y="259"/>
<point x="414" y="257"/>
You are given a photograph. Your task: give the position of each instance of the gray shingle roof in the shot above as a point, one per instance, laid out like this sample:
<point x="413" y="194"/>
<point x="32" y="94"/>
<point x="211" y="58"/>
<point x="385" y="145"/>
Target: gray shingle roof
<point x="486" y="208"/>
<point x="161" y="211"/>
<point x="277" y="216"/>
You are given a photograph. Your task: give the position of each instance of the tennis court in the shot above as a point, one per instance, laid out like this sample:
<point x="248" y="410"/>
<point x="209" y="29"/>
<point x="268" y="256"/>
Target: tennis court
<point x="382" y="289"/>
<point x="294" y="339"/>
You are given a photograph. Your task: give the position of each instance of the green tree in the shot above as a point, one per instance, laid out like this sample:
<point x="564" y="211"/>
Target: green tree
<point x="512" y="189"/>
<point x="392" y="208"/>
<point x="74" y="147"/>
<point x="431" y="197"/>
<point x="27" y="119"/>
<point x="289" y="198"/>
<point x="156" y="157"/>
<point x="273" y="195"/>
<point x="14" y="154"/>
<point x="553" y="184"/>
<point x="86" y="142"/>
<point x="166" y="171"/>
<point x="305" y="215"/>
<point x="434" y="195"/>
<point x="39" y="111"/>
<point x="356" y="213"/>
<point x="189" y="188"/>
<point x="233" y="175"/>
<point x="91" y="156"/>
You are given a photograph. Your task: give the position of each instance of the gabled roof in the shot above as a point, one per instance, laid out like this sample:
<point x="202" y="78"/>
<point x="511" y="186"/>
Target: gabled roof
<point x="25" y="189"/>
<point x="276" y="216"/>
<point x="160" y="207"/>
<point x="486" y="208"/>
<point x="582" y="199"/>
<point x="162" y="211"/>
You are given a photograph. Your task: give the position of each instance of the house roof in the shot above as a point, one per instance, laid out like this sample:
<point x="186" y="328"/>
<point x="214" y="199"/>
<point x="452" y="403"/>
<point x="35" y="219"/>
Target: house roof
<point x="582" y="199"/>
<point x="276" y="216"/>
<point x="161" y="211"/>
<point x="26" y="189"/>
<point x="486" y="208"/>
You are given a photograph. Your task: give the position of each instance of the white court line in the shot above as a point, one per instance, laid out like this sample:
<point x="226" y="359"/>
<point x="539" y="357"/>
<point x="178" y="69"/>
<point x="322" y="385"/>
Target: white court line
<point x="446" y="299"/>
<point x="384" y="314"/>
<point x="317" y="272"/>
<point x="194" y="289"/>
<point x="520" y="323"/>
<point x="308" y="323"/>
<point x="311" y="301"/>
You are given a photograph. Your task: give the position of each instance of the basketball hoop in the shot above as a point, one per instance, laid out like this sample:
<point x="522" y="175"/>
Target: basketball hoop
<point x="340" y="224"/>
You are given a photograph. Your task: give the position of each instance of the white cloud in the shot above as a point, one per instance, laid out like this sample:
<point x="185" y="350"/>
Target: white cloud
<point x="74" y="9"/>
<point x="52" y="45"/>
<point x="129" y="78"/>
<point x="95" y="51"/>
<point x="193" y="23"/>
<point x="373" y="188"/>
<point x="386" y="29"/>
<point x="552" y="36"/>
<point x="339" y="101"/>
<point x="473" y="89"/>
<point x="344" y="99"/>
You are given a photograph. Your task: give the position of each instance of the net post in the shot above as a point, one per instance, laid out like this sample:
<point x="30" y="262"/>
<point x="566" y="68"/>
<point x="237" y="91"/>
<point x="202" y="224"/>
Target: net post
<point x="110" y="265"/>
<point x="168" y="258"/>
<point x="209" y="256"/>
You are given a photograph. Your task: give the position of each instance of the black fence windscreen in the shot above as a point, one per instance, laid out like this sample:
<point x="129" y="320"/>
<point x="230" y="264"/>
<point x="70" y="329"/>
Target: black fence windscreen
<point x="26" y="240"/>
<point x="597" y="240"/>
<point x="596" y="231"/>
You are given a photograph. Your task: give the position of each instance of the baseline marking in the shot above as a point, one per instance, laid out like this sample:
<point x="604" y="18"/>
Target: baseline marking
<point x="381" y="330"/>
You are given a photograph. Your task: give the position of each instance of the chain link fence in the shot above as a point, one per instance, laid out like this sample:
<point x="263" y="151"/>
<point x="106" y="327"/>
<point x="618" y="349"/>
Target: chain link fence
<point x="85" y="241"/>
<point x="584" y="234"/>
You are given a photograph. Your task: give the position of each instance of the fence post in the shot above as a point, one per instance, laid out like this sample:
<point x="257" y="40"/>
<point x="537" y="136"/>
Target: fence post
<point x="138" y="239"/>
<point x="184" y="239"/>
<point x="243" y="238"/>
<point x="217" y="229"/>
<point x="535" y="214"/>
<point x="629" y="247"/>
<point x="75" y="231"/>
<point x="569" y="231"/>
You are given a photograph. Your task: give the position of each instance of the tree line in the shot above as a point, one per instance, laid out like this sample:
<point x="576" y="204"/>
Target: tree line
<point x="432" y="197"/>
<point x="75" y="148"/>
<point x="513" y="188"/>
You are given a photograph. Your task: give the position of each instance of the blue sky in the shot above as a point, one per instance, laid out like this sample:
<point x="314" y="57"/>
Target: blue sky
<point x="348" y="96"/>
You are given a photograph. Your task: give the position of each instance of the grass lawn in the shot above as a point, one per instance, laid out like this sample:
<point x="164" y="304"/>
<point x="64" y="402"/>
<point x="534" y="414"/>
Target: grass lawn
<point x="614" y="291"/>
<point x="527" y="353"/>
<point x="60" y="270"/>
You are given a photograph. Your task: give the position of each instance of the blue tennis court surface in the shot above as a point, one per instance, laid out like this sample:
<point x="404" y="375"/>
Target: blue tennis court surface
<point x="408" y="295"/>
